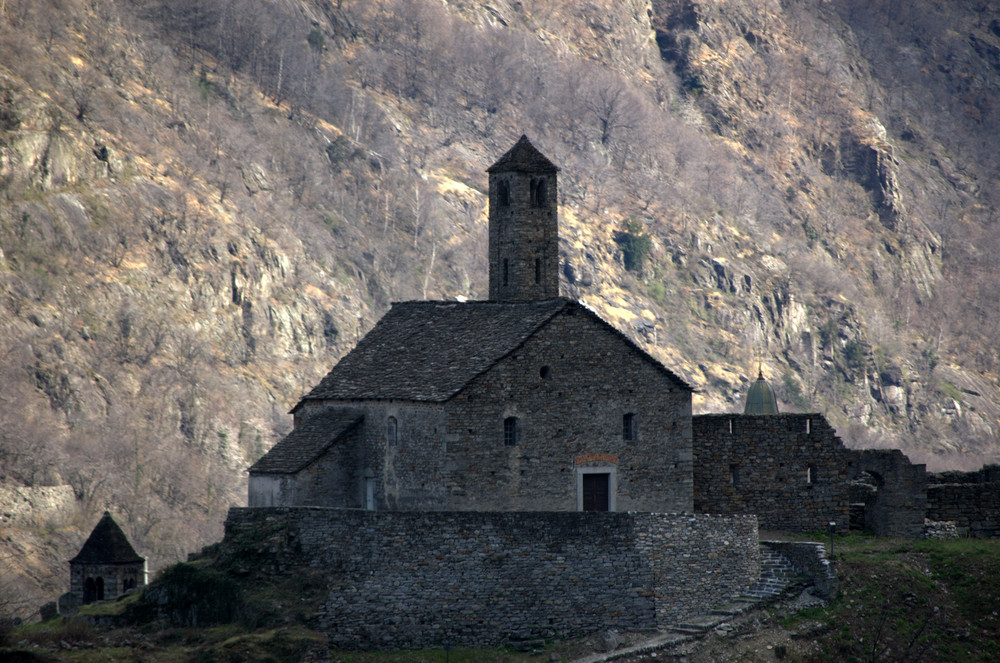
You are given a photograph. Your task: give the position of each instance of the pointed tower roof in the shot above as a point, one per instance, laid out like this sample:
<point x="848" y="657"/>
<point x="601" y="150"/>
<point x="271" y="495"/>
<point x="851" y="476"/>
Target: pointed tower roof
<point x="524" y="157"/>
<point x="760" y="397"/>
<point x="107" y="544"/>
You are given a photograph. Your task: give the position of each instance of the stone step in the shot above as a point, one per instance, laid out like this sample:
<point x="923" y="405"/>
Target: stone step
<point x="701" y="624"/>
<point x="688" y="631"/>
<point x="734" y="608"/>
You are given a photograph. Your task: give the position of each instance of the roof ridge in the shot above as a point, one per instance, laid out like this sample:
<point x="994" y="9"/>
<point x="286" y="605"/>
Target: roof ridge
<point x="445" y="344"/>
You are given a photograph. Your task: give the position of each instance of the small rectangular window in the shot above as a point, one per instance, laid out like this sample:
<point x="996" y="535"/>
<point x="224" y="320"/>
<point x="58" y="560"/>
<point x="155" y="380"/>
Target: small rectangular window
<point x="391" y="433"/>
<point x="510" y="437"/>
<point x="734" y="475"/>
<point x="505" y="272"/>
<point x="538" y="270"/>
<point x="811" y="474"/>
<point x="629" y="427"/>
<point x="503" y="194"/>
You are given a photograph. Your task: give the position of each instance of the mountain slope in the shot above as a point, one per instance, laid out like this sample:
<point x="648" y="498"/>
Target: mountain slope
<point x="205" y="204"/>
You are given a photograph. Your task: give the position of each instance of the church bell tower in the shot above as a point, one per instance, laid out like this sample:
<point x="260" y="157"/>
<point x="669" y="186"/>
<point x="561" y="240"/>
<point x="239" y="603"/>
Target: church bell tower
<point x="524" y="225"/>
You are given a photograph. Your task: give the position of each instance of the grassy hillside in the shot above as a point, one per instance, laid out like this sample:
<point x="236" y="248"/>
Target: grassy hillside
<point x="206" y="203"/>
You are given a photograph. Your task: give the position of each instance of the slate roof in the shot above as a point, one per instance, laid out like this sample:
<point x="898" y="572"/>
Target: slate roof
<point x="428" y="351"/>
<point x="307" y="441"/>
<point x="107" y="544"/>
<point x="523" y="157"/>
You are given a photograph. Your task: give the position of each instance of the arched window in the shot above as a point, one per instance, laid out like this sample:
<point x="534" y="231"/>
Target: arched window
<point x="629" y="430"/>
<point x="391" y="433"/>
<point x="510" y="432"/>
<point x="503" y="194"/>
<point x="734" y="475"/>
<point x="538" y="192"/>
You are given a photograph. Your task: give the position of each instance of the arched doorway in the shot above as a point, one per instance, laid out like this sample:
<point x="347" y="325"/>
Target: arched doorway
<point x="89" y="591"/>
<point x="864" y="501"/>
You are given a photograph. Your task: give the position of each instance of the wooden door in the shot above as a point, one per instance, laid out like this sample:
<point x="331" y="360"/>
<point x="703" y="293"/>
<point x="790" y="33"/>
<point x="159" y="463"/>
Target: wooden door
<point x="596" y="491"/>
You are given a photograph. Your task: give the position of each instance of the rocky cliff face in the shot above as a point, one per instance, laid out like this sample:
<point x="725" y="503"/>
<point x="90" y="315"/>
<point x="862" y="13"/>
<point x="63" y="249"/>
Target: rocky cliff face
<point x="793" y="89"/>
<point x="206" y="205"/>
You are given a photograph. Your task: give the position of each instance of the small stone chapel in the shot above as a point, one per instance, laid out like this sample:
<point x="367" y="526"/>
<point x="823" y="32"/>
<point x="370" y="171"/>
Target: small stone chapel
<point x="107" y="565"/>
<point x="527" y="401"/>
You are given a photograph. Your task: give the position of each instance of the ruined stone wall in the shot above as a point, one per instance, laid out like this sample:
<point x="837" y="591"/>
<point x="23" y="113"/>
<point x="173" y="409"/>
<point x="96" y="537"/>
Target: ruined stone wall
<point x="898" y="505"/>
<point x="985" y="474"/>
<point x="971" y="501"/>
<point x="411" y="579"/>
<point x="790" y="470"/>
<point x="569" y="386"/>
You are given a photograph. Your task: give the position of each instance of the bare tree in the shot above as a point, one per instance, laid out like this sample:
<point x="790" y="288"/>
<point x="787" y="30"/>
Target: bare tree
<point x="81" y="90"/>
<point x="613" y="106"/>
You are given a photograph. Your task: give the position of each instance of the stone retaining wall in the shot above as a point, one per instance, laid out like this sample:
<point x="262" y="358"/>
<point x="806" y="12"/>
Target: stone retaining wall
<point x="411" y="579"/>
<point x="810" y="559"/>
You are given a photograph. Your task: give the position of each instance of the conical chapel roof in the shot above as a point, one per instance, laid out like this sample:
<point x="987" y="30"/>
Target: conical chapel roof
<point x="760" y="397"/>
<point x="107" y="544"/>
<point x="525" y="158"/>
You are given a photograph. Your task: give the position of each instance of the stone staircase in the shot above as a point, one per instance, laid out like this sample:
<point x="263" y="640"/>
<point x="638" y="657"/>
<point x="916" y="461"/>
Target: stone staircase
<point x="777" y="577"/>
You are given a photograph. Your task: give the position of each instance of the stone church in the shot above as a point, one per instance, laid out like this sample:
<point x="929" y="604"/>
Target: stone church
<point x="454" y="442"/>
<point x="106" y="567"/>
<point x="525" y="402"/>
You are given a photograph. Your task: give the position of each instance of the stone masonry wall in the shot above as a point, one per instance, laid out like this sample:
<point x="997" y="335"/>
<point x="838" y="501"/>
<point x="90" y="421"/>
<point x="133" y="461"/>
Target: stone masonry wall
<point x="412" y="579"/>
<point x="113" y="578"/>
<point x="407" y="472"/>
<point x="332" y="479"/>
<point x="810" y="559"/>
<point x="789" y="469"/>
<point x="898" y="506"/>
<point x="569" y="387"/>
<point x="974" y="508"/>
